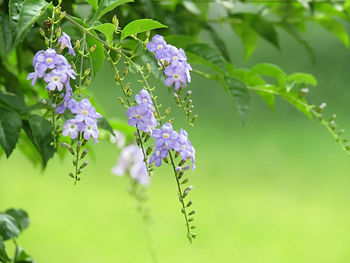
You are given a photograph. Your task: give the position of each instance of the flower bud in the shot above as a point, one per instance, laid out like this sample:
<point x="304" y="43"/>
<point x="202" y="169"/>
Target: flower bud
<point x="148" y="68"/>
<point x="121" y="100"/>
<point x="84" y="153"/>
<point x="77" y="44"/>
<point x="84" y="165"/>
<point x="42" y="32"/>
<point x="58" y="32"/>
<point x="92" y="49"/>
<point x="149" y="150"/>
<point x="189" y="203"/>
<point x="115" y="21"/>
<point x="63" y="14"/>
<point x="322" y="106"/>
<point x="185" y="181"/>
<point x="87" y="72"/>
<point x="192" y="212"/>
<point x="188" y="94"/>
<point x="71" y="174"/>
<point x="167" y="111"/>
<point x="43" y="101"/>
<point x="126" y="70"/>
<point x="304" y="90"/>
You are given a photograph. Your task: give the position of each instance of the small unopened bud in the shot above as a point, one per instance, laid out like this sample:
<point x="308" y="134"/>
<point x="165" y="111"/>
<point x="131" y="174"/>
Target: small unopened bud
<point x="74" y="67"/>
<point x="42" y="32"/>
<point x="304" y="90"/>
<point x="185" y="181"/>
<point x="92" y="49"/>
<point x="177" y="154"/>
<point x="332" y="118"/>
<point x="87" y="72"/>
<point x="54" y="106"/>
<point x="182" y="162"/>
<point x="148" y="68"/>
<point x="121" y="100"/>
<point x="194" y="235"/>
<point x="147" y="137"/>
<point x="167" y="111"/>
<point x="178" y="169"/>
<point x="61" y="96"/>
<point x="171" y="120"/>
<point x="84" y="153"/>
<point x="43" y="101"/>
<point x="165" y="160"/>
<point x="115" y="21"/>
<point x="180" y="175"/>
<point x="77" y="44"/>
<point x="186" y="167"/>
<point x="192" y="212"/>
<point x="341" y="132"/>
<point x="79" y="143"/>
<point x="47" y="41"/>
<point x="88" y="81"/>
<point x="117" y="77"/>
<point x="58" y="32"/>
<point x="149" y="150"/>
<point x="347" y="147"/>
<point x="195" y="117"/>
<point x="188" y="94"/>
<point x="84" y="165"/>
<point x="189" y="203"/>
<point x="63" y="14"/>
<point x="322" y="106"/>
<point x="148" y="33"/>
<point x="126" y="70"/>
<point x="71" y="174"/>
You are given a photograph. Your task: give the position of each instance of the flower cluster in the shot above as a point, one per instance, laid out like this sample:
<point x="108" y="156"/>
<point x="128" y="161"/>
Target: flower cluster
<point x="174" y="60"/>
<point x="85" y="120"/>
<point x="167" y="139"/>
<point x="141" y="116"/>
<point x="131" y="160"/>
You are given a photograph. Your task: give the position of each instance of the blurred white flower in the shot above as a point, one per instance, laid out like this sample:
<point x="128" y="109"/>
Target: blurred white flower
<point x="131" y="160"/>
<point x="118" y="138"/>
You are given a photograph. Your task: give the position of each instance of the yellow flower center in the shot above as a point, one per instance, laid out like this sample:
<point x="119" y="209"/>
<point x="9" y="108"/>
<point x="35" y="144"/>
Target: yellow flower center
<point x="165" y="135"/>
<point x="138" y="116"/>
<point x="84" y="112"/>
<point x="144" y="100"/>
<point x="176" y="76"/>
<point x="55" y="79"/>
<point x="175" y="58"/>
<point x="159" y="47"/>
<point x="49" y="60"/>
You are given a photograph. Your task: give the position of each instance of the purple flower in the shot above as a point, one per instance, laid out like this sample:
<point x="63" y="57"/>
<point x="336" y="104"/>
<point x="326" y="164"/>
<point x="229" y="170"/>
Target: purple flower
<point x="175" y="56"/>
<point x="158" y="155"/>
<point x="90" y="130"/>
<point x="158" y="45"/>
<point x="71" y="127"/>
<point x="143" y="97"/>
<point x="175" y="75"/>
<point x="184" y="147"/>
<point x="55" y="80"/>
<point x="165" y="136"/>
<point x="141" y="117"/>
<point x="131" y="160"/>
<point x="64" y="41"/>
<point x="67" y="102"/>
<point x="84" y="111"/>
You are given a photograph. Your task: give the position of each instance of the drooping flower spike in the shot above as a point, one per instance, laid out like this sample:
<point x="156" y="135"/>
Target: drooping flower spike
<point x="174" y="60"/>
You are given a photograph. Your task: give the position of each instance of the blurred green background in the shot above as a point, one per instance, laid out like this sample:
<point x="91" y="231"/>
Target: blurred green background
<point x="274" y="190"/>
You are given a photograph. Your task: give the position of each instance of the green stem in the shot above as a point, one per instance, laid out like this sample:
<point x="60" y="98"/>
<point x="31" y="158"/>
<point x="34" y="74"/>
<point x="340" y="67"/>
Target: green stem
<point x="52" y="26"/>
<point x="312" y="111"/>
<point x="82" y="63"/>
<point x="77" y="154"/>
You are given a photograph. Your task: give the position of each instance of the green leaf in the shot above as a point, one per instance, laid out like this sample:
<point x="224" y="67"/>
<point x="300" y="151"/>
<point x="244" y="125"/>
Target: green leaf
<point x="334" y="27"/>
<point x="20" y="216"/>
<point x="5" y="36"/>
<point x="107" y="29"/>
<point x="139" y="26"/>
<point x="3" y="255"/>
<point x="302" y="78"/>
<point x="248" y="37"/>
<point x="10" y="127"/>
<point x="218" y="42"/>
<point x="8" y="227"/>
<point x="93" y="3"/>
<point x="22" y="256"/>
<point x="261" y="26"/>
<point x="39" y="132"/>
<point x="97" y="57"/>
<point x="291" y="29"/>
<point x="15" y="7"/>
<point x="180" y="41"/>
<point x="239" y="93"/>
<point x="31" y="10"/>
<point x="12" y="101"/>
<point x="108" y="5"/>
<point x="209" y="55"/>
<point x="104" y="124"/>
<point x="270" y="70"/>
